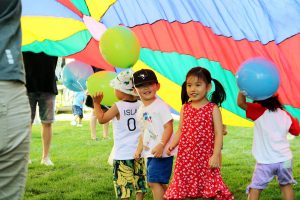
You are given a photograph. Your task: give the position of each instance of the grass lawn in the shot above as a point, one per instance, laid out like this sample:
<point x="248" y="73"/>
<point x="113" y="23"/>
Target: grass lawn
<point x="81" y="170"/>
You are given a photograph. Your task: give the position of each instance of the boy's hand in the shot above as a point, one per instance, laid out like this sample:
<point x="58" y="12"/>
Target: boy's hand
<point x="97" y="98"/>
<point x="214" y="161"/>
<point x="158" y="150"/>
<point x="137" y="154"/>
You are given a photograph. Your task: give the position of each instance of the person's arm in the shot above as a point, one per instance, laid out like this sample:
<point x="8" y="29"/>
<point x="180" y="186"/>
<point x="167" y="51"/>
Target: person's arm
<point x="214" y="160"/>
<point x="139" y="149"/>
<point x="177" y="135"/>
<point x="295" y="126"/>
<point x="158" y="150"/>
<point x="241" y="101"/>
<point x="103" y="117"/>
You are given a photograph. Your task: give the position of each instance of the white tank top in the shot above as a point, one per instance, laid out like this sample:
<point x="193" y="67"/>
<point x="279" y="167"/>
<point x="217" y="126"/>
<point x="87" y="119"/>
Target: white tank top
<point x="126" y="130"/>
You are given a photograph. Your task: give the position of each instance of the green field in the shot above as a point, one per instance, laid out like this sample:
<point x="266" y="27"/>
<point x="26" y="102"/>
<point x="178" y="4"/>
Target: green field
<point x="81" y="170"/>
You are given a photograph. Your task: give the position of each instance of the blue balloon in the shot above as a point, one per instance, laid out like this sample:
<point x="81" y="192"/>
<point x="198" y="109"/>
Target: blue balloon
<point x="75" y="75"/>
<point x="258" y="79"/>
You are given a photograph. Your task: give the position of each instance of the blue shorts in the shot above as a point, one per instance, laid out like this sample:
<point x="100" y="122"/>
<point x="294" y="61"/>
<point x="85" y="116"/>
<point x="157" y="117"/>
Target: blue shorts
<point x="46" y="102"/>
<point x="77" y="110"/>
<point x="264" y="173"/>
<point x="159" y="170"/>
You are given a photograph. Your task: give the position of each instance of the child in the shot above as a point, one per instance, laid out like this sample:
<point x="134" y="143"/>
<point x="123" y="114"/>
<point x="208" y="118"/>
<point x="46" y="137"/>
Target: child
<point x="77" y="108"/>
<point x="157" y="127"/>
<point x="128" y="172"/>
<point x="271" y="148"/>
<point x="93" y="120"/>
<point x="199" y="139"/>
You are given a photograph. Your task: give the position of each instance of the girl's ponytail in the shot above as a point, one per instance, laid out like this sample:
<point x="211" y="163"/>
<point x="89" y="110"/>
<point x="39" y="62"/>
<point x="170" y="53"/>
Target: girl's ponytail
<point x="184" y="95"/>
<point x="219" y="95"/>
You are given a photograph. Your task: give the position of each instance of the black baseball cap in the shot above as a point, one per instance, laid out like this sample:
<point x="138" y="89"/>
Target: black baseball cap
<point x="144" y="76"/>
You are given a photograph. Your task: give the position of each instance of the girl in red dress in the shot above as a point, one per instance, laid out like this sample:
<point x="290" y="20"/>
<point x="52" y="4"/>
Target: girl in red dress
<point x="199" y="139"/>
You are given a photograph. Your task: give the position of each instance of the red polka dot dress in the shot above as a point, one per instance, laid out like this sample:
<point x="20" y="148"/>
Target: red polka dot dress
<point x="192" y="176"/>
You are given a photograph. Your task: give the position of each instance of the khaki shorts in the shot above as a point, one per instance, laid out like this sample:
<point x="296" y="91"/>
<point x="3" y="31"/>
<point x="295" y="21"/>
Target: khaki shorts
<point x="129" y="175"/>
<point x="14" y="139"/>
<point x="46" y="102"/>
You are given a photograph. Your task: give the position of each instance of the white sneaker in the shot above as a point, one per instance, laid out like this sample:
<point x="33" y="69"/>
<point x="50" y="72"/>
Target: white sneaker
<point x="73" y="123"/>
<point x="79" y="125"/>
<point x="47" y="162"/>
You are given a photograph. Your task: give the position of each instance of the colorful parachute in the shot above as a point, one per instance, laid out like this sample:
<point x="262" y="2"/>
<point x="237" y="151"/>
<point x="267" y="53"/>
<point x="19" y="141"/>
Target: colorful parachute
<point x="176" y="35"/>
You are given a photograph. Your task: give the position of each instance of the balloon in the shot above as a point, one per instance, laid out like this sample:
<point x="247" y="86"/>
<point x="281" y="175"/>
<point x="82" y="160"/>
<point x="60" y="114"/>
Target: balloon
<point x="75" y="75"/>
<point x="258" y="79"/>
<point x="120" y="46"/>
<point x="99" y="82"/>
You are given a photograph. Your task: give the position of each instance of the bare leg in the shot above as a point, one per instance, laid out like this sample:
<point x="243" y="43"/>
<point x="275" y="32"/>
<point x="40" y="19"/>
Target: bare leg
<point x="287" y="192"/>
<point x="76" y="119"/>
<point x="254" y="194"/>
<point x="165" y="186"/>
<point x="93" y="124"/>
<point x="139" y="196"/>
<point x="46" y="138"/>
<point x="79" y="120"/>
<point x="105" y="130"/>
<point x="158" y="191"/>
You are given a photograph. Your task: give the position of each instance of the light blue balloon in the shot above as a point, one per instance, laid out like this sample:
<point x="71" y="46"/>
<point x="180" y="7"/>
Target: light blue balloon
<point x="75" y="75"/>
<point x="258" y="79"/>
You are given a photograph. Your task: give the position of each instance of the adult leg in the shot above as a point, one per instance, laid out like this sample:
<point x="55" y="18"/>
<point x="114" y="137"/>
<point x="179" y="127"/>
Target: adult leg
<point x="287" y="192"/>
<point x="46" y="139"/>
<point x="33" y="105"/>
<point x="14" y="139"/>
<point x="47" y="107"/>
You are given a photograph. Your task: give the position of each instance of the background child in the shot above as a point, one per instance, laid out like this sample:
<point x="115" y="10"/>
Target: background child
<point x="77" y="108"/>
<point x="156" y="128"/>
<point x="93" y="120"/>
<point x="271" y="148"/>
<point x="128" y="172"/>
<point x="200" y="135"/>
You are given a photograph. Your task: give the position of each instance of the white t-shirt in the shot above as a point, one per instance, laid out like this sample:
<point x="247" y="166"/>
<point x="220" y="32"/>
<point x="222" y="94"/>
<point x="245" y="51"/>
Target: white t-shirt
<point x="153" y="118"/>
<point x="126" y="130"/>
<point x="270" y="144"/>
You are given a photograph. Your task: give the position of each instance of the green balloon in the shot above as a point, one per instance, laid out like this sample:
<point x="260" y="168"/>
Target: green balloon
<point x="120" y="46"/>
<point x="99" y="82"/>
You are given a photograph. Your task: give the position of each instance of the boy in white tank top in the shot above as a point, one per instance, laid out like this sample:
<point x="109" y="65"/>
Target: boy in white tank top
<point x="128" y="173"/>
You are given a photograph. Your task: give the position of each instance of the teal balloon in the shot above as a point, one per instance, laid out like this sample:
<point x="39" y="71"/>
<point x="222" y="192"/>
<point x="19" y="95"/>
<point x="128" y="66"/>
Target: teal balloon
<point x="100" y="82"/>
<point x="120" y="47"/>
<point x="258" y="78"/>
<point x="75" y="75"/>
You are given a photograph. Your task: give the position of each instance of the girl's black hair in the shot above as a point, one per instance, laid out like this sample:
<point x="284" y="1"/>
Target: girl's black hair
<point x="271" y="103"/>
<point x="217" y="97"/>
